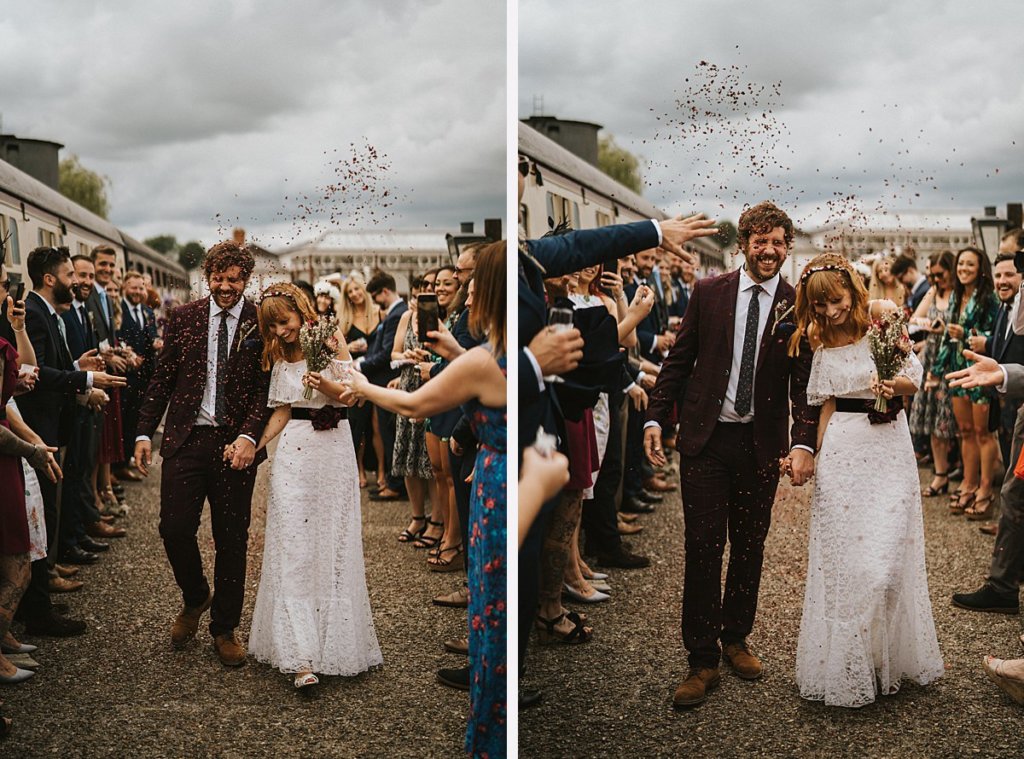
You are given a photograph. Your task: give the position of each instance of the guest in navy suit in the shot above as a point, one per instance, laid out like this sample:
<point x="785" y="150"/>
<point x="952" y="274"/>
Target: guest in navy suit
<point x="683" y="278"/>
<point x="376" y="365"/>
<point x="138" y="329"/>
<point x="80" y="520"/>
<point x="904" y="268"/>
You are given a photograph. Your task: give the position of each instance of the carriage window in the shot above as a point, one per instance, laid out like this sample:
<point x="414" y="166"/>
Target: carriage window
<point x="603" y="219"/>
<point x="562" y="209"/>
<point x="9" y="232"/>
<point x="47" y="238"/>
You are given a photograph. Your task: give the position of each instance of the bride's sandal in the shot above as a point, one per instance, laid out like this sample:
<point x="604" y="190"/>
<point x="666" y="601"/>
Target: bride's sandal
<point x="931" y="491"/>
<point x="978" y="513"/>
<point x="547" y="634"/>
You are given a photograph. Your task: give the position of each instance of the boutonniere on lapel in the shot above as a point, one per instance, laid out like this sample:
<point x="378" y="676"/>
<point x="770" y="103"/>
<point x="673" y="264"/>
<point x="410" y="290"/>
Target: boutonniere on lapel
<point x="244" y="330"/>
<point x="782" y="310"/>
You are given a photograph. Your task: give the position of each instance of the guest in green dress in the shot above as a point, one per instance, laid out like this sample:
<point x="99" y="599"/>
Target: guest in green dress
<point x="973" y="309"/>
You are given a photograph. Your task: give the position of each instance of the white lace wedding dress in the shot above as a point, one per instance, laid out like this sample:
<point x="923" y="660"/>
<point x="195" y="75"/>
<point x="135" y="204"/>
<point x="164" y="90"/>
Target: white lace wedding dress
<point x="312" y="608"/>
<point x="867" y="619"/>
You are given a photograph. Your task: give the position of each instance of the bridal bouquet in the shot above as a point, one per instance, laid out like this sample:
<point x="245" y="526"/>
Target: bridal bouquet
<point x="318" y="344"/>
<point x="890" y="347"/>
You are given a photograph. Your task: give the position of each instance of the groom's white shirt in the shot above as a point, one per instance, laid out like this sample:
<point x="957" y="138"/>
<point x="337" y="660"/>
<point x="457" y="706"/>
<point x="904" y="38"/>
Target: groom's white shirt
<point x="739" y="328"/>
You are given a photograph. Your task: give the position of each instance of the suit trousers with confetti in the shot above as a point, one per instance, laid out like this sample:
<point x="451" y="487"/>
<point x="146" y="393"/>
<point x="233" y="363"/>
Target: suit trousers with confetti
<point x="725" y="495"/>
<point x="196" y="473"/>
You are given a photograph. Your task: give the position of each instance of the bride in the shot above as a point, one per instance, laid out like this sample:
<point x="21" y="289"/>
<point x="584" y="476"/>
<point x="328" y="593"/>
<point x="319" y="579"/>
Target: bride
<point x="867" y="619"/>
<point x="312" y="608"/>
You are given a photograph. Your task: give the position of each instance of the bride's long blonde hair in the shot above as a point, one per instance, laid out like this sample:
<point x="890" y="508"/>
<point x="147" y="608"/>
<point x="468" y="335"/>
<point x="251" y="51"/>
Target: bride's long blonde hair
<point x="826" y="277"/>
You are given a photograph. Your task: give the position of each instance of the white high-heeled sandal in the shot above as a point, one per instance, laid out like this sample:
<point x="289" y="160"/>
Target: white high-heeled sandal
<point x="305" y="679"/>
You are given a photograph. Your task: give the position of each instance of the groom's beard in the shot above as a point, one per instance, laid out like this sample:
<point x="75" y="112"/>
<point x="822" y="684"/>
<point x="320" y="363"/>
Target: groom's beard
<point x="764" y="266"/>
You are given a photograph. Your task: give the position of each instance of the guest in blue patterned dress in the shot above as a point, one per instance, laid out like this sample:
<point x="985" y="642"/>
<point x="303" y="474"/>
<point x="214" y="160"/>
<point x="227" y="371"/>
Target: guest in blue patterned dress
<point x="475" y="379"/>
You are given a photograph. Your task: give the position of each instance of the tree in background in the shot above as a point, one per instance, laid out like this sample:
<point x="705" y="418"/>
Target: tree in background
<point x="85" y="187"/>
<point x="191" y="254"/>
<point x="619" y="163"/>
<point x="162" y="243"/>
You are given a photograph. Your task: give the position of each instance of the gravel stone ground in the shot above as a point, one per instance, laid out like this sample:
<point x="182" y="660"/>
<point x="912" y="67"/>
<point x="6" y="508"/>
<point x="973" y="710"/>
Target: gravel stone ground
<point x="612" y="697"/>
<point x="121" y="691"/>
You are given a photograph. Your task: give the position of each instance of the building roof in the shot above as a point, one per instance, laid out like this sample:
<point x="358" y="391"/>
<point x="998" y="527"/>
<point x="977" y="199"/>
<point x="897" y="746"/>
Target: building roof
<point x="29" y="189"/>
<point x="550" y="154"/>
<point x="369" y="240"/>
<point x="901" y="221"/>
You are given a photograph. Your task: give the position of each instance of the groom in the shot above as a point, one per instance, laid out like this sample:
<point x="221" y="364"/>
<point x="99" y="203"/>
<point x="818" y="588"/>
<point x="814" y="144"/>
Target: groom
<point x="210" y="381"/>
<point x="733" y="380"/>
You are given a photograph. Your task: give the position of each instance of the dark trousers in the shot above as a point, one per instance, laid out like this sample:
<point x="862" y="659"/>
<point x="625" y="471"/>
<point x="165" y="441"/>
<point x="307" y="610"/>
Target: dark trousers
<point x="461" y="466"/>
<point x="633" y="476"/>
<point x="387" y="436"/>
<point x="131" y="402"/>
<point x="196" y="473"/>
<point x="725" y="494"/>
<point x="600" y="522"/>
<point x="78" y="499"/>
<point x="1007" y="568"/>
<point x="529" y="576"/>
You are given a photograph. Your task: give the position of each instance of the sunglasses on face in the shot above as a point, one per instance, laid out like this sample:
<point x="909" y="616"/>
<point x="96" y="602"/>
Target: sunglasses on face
<point x="524" y="168"/>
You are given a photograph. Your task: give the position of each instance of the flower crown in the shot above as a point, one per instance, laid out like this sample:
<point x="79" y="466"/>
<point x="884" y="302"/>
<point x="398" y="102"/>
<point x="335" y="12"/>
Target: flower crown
<point x="277" y="293"/>
<point x="824" y="267"/>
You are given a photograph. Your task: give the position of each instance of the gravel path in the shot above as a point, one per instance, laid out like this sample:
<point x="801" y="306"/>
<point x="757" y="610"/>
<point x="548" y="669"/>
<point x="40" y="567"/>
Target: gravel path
<point x="120" y="690"/>
<point x="613" y="696"/>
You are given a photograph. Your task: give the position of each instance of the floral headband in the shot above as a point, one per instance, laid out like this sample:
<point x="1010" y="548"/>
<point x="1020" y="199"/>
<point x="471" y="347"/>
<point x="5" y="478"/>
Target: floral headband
<point x="824" y="267"/>
<point x="275" y="293"/>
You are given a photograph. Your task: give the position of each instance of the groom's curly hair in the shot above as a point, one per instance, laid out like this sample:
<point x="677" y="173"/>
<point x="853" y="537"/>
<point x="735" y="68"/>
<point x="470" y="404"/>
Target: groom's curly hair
<point x="760" y="219"/>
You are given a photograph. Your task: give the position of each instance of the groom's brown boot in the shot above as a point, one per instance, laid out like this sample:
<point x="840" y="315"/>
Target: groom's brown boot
<point x="695" y="687"/>
<point x="187" y="622"/>
<point x="230" y="652"/>
<point x="744" y="663"/>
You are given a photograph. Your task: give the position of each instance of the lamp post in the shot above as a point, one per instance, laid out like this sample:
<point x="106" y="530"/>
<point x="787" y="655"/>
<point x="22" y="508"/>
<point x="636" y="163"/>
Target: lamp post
<point x="988" y="231"/>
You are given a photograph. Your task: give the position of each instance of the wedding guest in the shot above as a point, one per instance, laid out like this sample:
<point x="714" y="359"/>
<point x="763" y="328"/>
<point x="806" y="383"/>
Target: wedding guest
<point x="359" y="319"/>
<point x="48" y="410"/>
<point x="327" y="299"/>
<point x="884" y="285"/>
<point x="1004" y="345"/>
<point x="377" y="366"/>
<point x="476" y="378"/>
<point x="931" y="413"/>
<point x="312" y="611"/>
<point x="138" y="330"/>
<point x="973" y="311"/>
<point x="915" y="284"/>
<point x="447" y="556"/>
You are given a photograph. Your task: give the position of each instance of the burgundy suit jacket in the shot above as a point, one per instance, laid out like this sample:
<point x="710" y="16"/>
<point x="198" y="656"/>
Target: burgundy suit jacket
<point x="696" y="374"/>
<point x="180" y="377"/>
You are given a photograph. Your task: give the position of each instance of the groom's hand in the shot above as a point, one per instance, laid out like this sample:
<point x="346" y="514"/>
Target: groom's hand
<point x="652" y="446"/>
<point x="244" y="453"/>
<point x="801" y="466"/>
<point x="143" y="456"/>
<point x="983" y="372"/>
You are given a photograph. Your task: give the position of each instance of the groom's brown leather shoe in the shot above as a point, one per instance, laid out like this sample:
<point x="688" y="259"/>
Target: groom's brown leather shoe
<point x="744" y="663"/>
<point x="230" y="652"/>
<point x="187" y="622"/>
<point x="695" y="687"/>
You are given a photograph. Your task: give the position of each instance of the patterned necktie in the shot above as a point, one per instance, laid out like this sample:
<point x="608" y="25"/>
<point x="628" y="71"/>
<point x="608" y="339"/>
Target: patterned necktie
<point x="63" y="339"/>
<point x="221" y="403"/>
<point x="745" y="391"/>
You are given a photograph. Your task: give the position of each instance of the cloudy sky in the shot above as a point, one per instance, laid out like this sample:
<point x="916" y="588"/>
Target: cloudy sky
<point x="880" y="105"/>
<point x="195" y="109"/>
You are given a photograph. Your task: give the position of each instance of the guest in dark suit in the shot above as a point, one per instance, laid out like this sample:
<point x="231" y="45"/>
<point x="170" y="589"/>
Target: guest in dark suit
<point x="138" y="330"/>
<point x="49" y="411"/>
<point x="732" y="376"/>
<point x="904" y="268"/>
<point x="1004" y="346"/>
<point x="80" y="520"/>
<point x="376" y="365"/>
<point x="210" y="382"/>
<point x="683" y="277"/>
